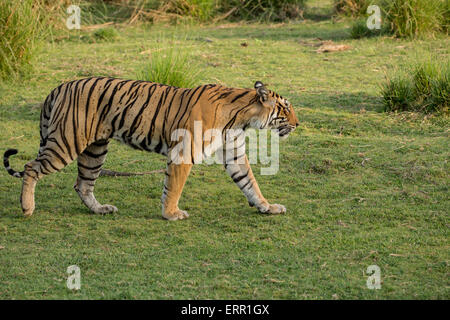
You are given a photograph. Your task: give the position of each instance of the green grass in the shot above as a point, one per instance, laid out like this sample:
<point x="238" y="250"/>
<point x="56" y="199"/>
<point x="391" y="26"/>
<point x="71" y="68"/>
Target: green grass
<point x="361" y="187"/>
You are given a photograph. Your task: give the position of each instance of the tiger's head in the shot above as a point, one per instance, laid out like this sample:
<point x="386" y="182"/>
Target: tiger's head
<point x="274" y="112"/>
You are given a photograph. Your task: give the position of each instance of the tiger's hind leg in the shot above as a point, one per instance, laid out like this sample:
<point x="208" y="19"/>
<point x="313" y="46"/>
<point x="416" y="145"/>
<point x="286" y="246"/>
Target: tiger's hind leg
<point x="48" y="161"/>
<point x="89" y="166"/>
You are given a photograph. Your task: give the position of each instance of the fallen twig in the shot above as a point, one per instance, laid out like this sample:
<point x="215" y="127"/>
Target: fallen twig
<point x="97" y="26"/>
<point x="110" y="173"/>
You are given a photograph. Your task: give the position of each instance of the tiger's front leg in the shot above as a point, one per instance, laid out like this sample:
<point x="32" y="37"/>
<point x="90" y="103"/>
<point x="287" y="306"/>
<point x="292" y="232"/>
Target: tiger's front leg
<point x="176" y="175"/>
<point x="240" y="171"/>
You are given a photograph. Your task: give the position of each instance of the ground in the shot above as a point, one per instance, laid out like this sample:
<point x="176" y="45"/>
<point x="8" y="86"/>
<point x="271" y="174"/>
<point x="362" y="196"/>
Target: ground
<point x="361" y="187"/>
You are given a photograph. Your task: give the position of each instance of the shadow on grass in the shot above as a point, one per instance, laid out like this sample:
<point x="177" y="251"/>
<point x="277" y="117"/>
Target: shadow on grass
<point x="339" y="101"/>
<point x="317" y="16"/>
<point x="29" y="111"/>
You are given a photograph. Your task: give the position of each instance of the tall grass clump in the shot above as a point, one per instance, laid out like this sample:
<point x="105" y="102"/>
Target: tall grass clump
<point x="171" y="65"/>
<point x="402" y="18"/>
<point x="21" y="30"/>
<point x="263" y="10"/>
<point x="426" y="88"/>
<point x="413" y="18"/>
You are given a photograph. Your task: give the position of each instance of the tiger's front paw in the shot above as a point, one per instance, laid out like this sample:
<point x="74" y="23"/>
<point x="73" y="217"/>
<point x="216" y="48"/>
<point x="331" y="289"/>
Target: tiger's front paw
<point x="105" y="209"/>
<point x="176" y="215"/>
<point x="275" y="209"/>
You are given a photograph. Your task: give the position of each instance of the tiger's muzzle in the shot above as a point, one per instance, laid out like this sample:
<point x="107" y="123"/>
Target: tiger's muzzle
<point x="285" y="130"/>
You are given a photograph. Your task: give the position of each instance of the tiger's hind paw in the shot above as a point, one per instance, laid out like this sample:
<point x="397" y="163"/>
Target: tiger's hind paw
<point x="276" y="209"/>
<point x="177" y="215"/>
<point x="28" y="212"/>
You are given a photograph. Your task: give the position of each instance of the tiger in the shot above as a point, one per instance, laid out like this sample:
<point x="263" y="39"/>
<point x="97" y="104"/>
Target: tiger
<point x="79" y="118"/>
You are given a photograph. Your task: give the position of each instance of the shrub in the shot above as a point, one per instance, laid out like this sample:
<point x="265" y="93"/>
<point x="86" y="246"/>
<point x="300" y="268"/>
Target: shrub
<point x="360" y="30"/>
<point x="268" y="10"/>
<point x="56" y="13"/>
<point x="426" y="88"/>
<point x="412" y="18"/>
<point x="99" y="12"/>
<point x="200" y="10"/>
<point x="21" y="30"/>
<point x="354" y="8"/>
<point x="403" y="18"/>
<point x="205" y="10"/>
<point x="131" y="11"/>
<point x="170" y="65"/>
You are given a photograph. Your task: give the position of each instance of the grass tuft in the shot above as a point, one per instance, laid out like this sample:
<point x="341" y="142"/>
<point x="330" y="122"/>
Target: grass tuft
<point x="106" y="34"/>
<point x="172" y="65"/>
<point x="425" y="89"/>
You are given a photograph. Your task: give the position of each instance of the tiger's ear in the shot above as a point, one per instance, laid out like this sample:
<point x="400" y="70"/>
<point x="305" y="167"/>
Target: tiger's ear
<point x="261" y="91"/>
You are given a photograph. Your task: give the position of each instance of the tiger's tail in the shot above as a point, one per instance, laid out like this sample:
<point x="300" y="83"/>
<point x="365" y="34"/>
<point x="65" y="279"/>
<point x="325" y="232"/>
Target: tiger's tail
<point x="11" y="171"/>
